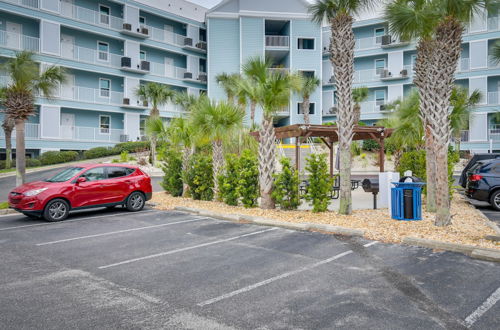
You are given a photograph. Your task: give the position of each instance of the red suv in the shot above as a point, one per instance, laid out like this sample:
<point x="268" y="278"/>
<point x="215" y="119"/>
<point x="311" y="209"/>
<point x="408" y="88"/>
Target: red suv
<point x="81" y="187"/>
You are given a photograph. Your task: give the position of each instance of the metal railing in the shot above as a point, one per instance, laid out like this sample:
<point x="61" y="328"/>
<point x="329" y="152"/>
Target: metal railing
<point x="31" y="132"/>
<point x="372" y="107"/>
<point x="162" y="70"/>
<point x="89" y="55"/>
<point x="463" y="65"/>
<point x="18" y="41"/>
<point x="91" y="95"/>
<point x="162" y="35"/>
<point x="493" y="98"/>
<point x="26" y="3"/>
<point x="367" y="43"/>
<point x="91" y="16"/>
<point x="464" y="136"/>
<point x="493" y="23"/>
<point x="94" y="134"/>
<point x="277" y="41"/>
<point x="362" y="76"/>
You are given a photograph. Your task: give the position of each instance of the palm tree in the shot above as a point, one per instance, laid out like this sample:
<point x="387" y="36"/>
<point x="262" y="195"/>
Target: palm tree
<point x="185" y="100"/>
<point x="339" y="14"/>
<point x="309" y="86"/>
<point x="359" y="95"/>
<point x="18" y="97"/>
<point x="156" y="95"/>
<point x="228" y="82"/>
<point x="462" y="104"/>
<point x="250" y="89"/>
<point x="495" y="52"/>
<point x="215" y="122"/>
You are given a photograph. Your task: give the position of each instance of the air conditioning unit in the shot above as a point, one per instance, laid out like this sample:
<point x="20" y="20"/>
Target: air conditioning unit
<point x="145" y="65"/>
<point x="127" y="26"/>
<point x="404" y="73"/>
<point x="201" y="45"/>
<point x="333" y="110"/>
<point x="145" y="31"/>
<point x="332" y="80"/>
<point x="202" y="77"/>
<point x="386" y="40"/>
<point x="124" y="138"/>
<point x="188" y="75"/>
<point x="126" y="101"/>
<point x="385" y="74"/>
<point x="126" y="62"/>
<point x="383" y="107"/>
<point x="145" y="103"/>
<point x="188" y="42"/>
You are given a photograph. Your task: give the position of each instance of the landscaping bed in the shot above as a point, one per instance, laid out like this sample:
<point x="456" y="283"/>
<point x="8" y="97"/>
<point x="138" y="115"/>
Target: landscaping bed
<point x="469" y="227"/>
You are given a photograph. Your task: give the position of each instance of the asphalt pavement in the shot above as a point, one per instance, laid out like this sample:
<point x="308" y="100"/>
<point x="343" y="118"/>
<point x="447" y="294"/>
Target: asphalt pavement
<point x="170" y="270"/>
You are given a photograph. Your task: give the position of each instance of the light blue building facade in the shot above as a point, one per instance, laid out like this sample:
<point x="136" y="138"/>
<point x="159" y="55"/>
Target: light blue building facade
<point x="108" y="48"/>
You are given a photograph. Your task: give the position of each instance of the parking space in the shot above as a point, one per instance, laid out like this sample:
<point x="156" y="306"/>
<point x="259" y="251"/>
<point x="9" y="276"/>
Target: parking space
<point x="154" y="269"/>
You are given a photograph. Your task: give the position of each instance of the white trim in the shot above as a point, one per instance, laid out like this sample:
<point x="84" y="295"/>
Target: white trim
<point x="99" y="51"/>
<point x="259" y="14"/>
<point x="99" y="5"/>
<point x="375" y="63"/>
<point x="307" y="38"/>
<point x="100" y="89"/>
<point x="109" y="128"/>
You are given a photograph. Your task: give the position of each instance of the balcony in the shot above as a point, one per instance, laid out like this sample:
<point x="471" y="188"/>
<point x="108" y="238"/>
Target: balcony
<point x="142" y="67"/>
<point x="190" y="77"/>
<point x="387" y="75"/>
<point x="90" y="16"/>
<point x="89" y="55"/>
<point x="367" y="43"/>
<point x="25" y="3"/>
<point x="140" y="32"/>
<point x="279" y="70"/>
<point x="165" y="36"/>
<point x="189" y="44"/>
<point x="282" y="42"/>
<point x="18" y="41"/>
<point x="31" y="132"/>
<point x="373" y="107"/>
<point x="493" y="23"/>
<point x="389" y="41"/>
<point x="364" y="76"/>
<point x="91" y="134"/>
<point x="463" y="65"/>
<point x="91" y="95"/>
<point x="493" y="98"/>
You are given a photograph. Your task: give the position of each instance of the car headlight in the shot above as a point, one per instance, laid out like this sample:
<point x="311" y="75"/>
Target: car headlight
<point x="34" y="192"/>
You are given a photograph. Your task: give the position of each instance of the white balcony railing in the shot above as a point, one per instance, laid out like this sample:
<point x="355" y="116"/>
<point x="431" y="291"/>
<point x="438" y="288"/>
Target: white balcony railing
<point x="31" y="132"/>
<point x="363" y="76"/>
<point x="93" y="134"/>
<point x="90" y="95"/>
<point x="26" y="3"/>
<point x="493" y="23"/>
<point x="90" y="16"/>
<point x="493" y="98"/>
<point x="367" y="43"/>
<point x="168" y="37"/>
<point x="278" y="41"/>
<point x="18" y="41"/>
<point x="372" y="107"/>
<point x="279" y="70"/>
<point x="163" y="70"/>
<point x="464" y="65"/>
<point x="89" y="55"/>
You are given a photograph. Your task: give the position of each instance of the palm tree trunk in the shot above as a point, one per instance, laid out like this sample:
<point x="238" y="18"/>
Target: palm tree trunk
<point x="218" y="164"/>
<point x="253" y="105"/>
<point x="305" y="109"/>
<point x="20" y="153"/>
<point x="445" y="61"/>
<point x="342" y="56"/>
<point x="267" y="155"/>
<point x="155" y="113"/>
<point x="186" y="156"/>
<point x="430" y="169"/>
<point x="357" y="113"/>
<point x="8" y="147"/>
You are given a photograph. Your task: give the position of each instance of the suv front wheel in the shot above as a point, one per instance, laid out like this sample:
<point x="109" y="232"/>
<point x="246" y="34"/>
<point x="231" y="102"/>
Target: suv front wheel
<point x="56" y="210"/>
<point x="495" y="200"/>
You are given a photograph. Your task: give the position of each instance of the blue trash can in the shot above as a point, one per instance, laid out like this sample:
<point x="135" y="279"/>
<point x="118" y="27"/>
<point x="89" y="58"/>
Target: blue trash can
<point x="406" y="199"/>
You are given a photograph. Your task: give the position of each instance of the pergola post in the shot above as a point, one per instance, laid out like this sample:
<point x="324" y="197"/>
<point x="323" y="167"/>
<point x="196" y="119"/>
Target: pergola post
<point x="297" y="153"/>
<point x="381" y="153"/>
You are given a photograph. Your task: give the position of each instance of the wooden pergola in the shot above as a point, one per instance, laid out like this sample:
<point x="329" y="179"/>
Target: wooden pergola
<point x="329" y="135"/>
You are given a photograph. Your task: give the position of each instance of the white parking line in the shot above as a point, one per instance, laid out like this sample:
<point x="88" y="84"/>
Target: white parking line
<point x="184" y="249"/>
<point x="279" y="277"/>
<point x="119" y="232"/>
<point x="488" y="303"/>
<point x="79" y="219"/>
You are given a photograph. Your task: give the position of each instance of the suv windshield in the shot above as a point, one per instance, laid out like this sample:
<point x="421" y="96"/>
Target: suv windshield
<point x="65" y="175"/>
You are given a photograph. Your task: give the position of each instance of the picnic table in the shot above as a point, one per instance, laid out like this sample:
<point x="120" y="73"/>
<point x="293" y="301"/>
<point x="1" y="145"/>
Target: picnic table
<point x="334" y="192"/>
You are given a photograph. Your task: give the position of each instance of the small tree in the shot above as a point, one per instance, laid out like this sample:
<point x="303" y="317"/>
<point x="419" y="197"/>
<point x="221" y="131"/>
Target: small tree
<point x="308" y="86"/>
<point x="228" y="181"/>
<point x="248" y="183"/>
<point x="320" y="182"/>
<point x="286" y="186"/>
<point x="172" y="180"/>
<point x="200" y="177"/>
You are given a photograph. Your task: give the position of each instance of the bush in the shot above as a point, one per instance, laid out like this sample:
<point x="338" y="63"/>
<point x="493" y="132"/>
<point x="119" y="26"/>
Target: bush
<point x="57" y="157"/>
<point x="228" y="181"/>
<point x="248" y="182"/>
<point x="31" y="162"/>
<point x="286" y="186"/>
<point x="124" y="156"/>
<point x="132" y="146"/>
<point x="200" y="177"/>
<point x="100" y="152"/>
<point x="370" y="145"/>
<point x="355" y="148"/>
<point x="320" y="182"/>
<point x="172" y="180"/>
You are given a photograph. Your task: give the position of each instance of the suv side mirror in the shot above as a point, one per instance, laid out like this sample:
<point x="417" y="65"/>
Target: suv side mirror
<point x="81" y="180"/>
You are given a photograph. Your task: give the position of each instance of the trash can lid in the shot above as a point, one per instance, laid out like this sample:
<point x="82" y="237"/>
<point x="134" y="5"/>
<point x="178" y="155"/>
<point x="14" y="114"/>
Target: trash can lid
<point x="413" y="179"/>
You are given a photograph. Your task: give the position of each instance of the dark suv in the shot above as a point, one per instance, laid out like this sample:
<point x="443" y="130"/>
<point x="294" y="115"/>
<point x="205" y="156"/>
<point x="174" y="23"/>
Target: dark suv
<point x="483" y="182"/>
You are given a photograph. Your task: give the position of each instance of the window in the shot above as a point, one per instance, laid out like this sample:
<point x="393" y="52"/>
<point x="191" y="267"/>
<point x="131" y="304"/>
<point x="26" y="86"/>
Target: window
<point x="102" y="51"/>
<point x="142" y="20"/>
<point x="142" y="55"/>
<point x="104" y="87"/>
<point x="307" y="74"/>
<point x="413" y="60"/>
<point x="65" y="175"/>
<point x="380" y="97"/>
<point x="104" y="15"/>
<point x="380" y="66"/>
<point x="94" y="174"/>
<point x="306" y="43"/>
<point x="142" y="126"/>
<point x="311" y="108"/>
<point x="379" y="33"/>
<point x="116" y="172"/>
<point x="104" y="124"/>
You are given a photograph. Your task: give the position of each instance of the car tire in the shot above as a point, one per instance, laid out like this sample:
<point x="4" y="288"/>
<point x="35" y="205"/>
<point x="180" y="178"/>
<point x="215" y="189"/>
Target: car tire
<point x="56" y="210"/>
<point x="495" y="200"/>
<point x="136" y="201"/>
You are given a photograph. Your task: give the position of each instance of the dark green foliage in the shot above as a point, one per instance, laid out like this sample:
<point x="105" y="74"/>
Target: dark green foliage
<point x="286" y="186"/>
<point x="370" y="145"/>
<point x="2" y="164"/>
<point x="99" y="152"/>
<point x="172" y="168"/>
<point x="31" y="162"/>
<point x="132" y="147"/>
<point x="200" y="177"/>
<point x="320" y="182"/>
<point x="248" y="182"/>
<point x="228" y="181"/>
<point x="57" y="157"/>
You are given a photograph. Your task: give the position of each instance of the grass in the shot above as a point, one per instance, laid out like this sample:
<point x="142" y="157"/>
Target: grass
<point x="4" y="205"/>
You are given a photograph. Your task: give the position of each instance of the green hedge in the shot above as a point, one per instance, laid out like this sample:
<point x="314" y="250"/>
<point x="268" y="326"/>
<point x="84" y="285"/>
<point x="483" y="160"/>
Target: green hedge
<point x="200" y="177"/>
<point x="130" y="147"/>
<point x="172" y="167"/>
<point x="57" y="157"/>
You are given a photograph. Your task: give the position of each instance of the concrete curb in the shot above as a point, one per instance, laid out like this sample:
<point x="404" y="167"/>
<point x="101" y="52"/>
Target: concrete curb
<point x="262" y="221"/>
<point x="7" y="211"/>
<point x="469" y="250"/>
<point x="489" y="223"/>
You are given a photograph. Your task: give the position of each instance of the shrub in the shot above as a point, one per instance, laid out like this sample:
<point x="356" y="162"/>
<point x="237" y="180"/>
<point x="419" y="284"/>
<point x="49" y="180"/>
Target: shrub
<point x="172" y="167"/>
<point x="320" y="182"/>
<point x="132" y="146"/>
<point x="57" y="157"/>
<point x="370" y="145"/>
<point x="228" y="181"/>
<point x="286" y="186"/>
<point x="99" y="152"/>
<point x="31" y="162"/>
<point x="200" y="177"/>
<point x="248" y="183"/>
<point x="355" y="149"/>
<point x="124" y="156"/>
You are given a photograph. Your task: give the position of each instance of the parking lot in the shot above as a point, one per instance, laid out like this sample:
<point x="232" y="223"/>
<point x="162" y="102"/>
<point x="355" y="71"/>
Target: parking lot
<point x="154" y="269"/>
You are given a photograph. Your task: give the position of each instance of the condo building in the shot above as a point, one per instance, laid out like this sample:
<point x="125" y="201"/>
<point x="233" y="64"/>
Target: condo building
<point x="111" y="47"/>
